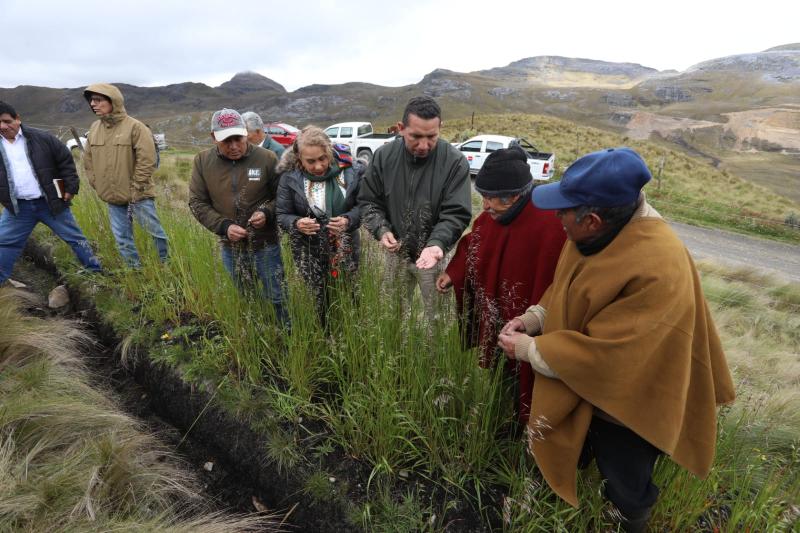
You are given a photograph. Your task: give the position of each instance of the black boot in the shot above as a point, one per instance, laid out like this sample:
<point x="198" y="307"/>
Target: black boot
<point x="635" y="524"/>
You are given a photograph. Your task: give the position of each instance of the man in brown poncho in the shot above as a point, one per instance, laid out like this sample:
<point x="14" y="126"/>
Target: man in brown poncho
<point x="628" y="362"/>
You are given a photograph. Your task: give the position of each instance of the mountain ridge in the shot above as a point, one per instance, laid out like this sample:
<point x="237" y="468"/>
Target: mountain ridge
<point x="738" y="104"/>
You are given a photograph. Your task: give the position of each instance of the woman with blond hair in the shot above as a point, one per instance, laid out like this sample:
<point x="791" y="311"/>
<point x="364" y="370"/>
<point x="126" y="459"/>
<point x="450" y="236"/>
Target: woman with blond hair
<point x="316" y="206"/>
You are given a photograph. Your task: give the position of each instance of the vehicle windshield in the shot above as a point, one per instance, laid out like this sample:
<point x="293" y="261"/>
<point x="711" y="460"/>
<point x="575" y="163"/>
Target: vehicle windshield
<point x="291" y="129"/>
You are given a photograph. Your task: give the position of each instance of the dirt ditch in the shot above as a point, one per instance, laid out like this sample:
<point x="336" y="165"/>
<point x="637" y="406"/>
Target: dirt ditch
<point x="228" y="455"/>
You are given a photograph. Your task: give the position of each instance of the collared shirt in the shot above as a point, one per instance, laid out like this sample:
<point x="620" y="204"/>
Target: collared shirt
<point x="25" y="183"/>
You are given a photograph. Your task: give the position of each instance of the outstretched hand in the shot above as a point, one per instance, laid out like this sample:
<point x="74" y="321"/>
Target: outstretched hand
<point x="429" y="257"/>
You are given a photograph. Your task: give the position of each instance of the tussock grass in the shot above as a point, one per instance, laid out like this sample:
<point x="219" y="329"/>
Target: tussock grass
<point x="70" y="460"/>
<point x="405" y="399"/>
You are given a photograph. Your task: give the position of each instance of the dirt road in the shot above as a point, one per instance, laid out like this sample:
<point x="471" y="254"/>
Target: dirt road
<point x="782" y="260"/>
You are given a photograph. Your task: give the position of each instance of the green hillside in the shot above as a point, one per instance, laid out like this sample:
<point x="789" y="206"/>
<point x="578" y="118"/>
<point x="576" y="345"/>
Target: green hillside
<point x="688" y="189"/>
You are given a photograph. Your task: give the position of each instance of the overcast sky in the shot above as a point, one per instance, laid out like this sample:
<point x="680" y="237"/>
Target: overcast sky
<point x="296" y="43"/>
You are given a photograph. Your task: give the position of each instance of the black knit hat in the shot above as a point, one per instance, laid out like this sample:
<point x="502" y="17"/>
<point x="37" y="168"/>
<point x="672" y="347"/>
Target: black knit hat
<point x="504" y="173"/>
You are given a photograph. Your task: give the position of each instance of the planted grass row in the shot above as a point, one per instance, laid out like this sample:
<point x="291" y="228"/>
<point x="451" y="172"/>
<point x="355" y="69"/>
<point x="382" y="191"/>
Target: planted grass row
<point x="406" y="400"/>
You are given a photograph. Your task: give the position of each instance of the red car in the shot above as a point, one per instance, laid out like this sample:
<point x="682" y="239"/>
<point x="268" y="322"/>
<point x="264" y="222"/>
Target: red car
<point x="282" y="133"/>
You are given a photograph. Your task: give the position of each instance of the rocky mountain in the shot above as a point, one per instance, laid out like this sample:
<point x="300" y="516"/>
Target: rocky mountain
<point x="248" y="82"/>
<point x="550" y="70"/>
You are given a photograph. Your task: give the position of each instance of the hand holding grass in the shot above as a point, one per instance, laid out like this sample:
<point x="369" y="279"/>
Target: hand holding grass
<point x="515" y="324"/>
<point x="507" y="342"/>
<point x="236" y="233"/>
<point x="307" y="226"/>
<point x="338" y="225"/>
<point x="257" y="220"/>
<point x="389" y="242"/>
<point x="443" y="283"/>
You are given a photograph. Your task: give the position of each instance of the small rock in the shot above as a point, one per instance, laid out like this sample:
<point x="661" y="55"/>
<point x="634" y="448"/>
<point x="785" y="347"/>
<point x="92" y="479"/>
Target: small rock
<point x="209" y="466"/>
<point x="260" y="507"/>
<point x="16" y="284"/>
<point x="403" y="474"/>
<point x="332" y="479"/>
<point x="58" y="297"/>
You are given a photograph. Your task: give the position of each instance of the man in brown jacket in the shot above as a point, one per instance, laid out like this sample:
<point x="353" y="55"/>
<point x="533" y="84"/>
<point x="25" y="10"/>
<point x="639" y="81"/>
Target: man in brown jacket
<point x="232" y="193"/>
<point x="120" y="160"/>
<point x="628" y="364"/>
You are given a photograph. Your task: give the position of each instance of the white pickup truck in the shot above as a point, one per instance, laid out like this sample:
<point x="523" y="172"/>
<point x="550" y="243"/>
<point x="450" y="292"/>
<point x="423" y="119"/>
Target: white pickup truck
<point x="478" y="148"/>
<point x="359" y="137"/>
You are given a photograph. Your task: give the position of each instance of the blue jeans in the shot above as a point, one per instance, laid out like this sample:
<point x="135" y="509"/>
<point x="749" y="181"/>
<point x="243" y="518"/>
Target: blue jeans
<point x="245" y="265"/>
<point x="15" y="230"/>
<point x="122" y="227"/>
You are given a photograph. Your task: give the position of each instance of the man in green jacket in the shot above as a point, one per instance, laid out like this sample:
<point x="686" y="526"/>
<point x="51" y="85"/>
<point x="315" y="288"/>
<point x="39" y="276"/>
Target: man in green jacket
<point x="232" y="193"/>
<point x="416" y="199"/>
<point x="120" y="160"/>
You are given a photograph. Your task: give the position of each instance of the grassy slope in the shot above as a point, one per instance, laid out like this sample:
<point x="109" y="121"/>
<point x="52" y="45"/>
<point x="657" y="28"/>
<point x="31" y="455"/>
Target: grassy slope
<point x="689" y="190"/>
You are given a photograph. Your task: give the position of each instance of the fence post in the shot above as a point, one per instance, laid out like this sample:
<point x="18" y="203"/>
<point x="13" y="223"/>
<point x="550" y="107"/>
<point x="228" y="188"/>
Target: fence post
<point x="77" y="138"/>
<point x="660" y="169"/>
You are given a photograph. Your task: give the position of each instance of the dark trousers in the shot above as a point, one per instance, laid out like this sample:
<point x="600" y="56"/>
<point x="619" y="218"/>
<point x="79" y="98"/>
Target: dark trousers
<point x="626" y="462"/>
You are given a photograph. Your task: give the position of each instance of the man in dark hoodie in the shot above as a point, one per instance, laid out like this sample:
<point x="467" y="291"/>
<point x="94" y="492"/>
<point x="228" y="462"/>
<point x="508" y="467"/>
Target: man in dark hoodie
<point x="120" y="160"/>
<point x="416" y="199"/>
<point x="37" y="182"/>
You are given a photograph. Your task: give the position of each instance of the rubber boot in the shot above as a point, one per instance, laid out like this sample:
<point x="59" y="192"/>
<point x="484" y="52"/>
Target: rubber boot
<point x="635" y="524"/>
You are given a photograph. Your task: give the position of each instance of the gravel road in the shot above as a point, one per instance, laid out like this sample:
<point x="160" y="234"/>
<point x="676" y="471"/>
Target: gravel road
<point x="782" y="260"/>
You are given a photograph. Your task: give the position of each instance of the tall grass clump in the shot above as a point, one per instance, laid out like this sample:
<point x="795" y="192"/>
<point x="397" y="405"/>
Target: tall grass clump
<point x="70" y="459"/>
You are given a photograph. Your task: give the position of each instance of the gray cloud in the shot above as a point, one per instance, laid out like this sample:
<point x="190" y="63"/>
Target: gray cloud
<point x="148" y="42"/>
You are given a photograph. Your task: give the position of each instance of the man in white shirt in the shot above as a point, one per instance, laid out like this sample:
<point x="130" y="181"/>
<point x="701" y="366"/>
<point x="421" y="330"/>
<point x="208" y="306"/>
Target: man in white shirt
<point x="37" y="181"/>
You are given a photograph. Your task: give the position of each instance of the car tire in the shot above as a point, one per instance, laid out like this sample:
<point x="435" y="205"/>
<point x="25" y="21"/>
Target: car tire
<point x="364" y="153"/>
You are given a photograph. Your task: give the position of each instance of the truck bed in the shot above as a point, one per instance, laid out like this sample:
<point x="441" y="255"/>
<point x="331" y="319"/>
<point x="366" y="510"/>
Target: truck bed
<point x="539" y="155"/>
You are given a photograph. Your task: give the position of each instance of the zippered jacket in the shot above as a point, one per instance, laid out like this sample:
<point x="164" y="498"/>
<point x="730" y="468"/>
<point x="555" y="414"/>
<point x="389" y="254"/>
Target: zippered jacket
<point x="50" y="159"/>
<point x="423" y="202"/>
<point x="121" y="156"/>
<point x="228" y="191"/>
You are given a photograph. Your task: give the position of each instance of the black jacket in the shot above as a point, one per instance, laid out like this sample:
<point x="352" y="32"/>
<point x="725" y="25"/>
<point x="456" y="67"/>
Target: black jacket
<point x="292" y="204"/>
<point x="423" y="202"/>
<point x="50" y="159"/>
